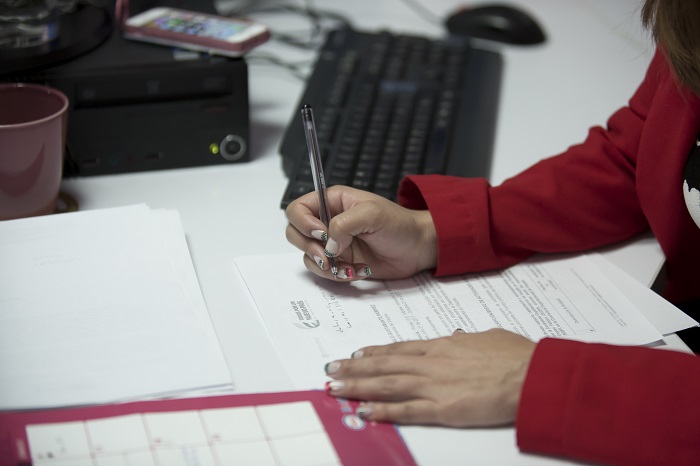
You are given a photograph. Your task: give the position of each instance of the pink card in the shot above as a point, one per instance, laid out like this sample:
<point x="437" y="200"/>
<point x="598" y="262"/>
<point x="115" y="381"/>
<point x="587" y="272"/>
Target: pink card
<point x="276" y="429"/>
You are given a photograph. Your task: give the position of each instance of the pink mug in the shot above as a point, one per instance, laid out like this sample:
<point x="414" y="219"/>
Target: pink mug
<point x="33" y="122"/>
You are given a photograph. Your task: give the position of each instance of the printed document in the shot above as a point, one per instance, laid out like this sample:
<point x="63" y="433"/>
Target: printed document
<point x="313" y="320"/>
<point x="101" y="306"/>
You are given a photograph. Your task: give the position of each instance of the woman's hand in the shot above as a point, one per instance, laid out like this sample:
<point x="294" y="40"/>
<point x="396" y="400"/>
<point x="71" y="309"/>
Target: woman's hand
<point x="368" y="234"/>
<point x="464" y="380"/>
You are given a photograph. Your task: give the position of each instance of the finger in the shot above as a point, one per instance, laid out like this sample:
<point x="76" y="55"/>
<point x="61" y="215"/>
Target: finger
<point x="399" y="387"/>
<point x="375" y="366"/>
<point x="300" y="240"/>
<point x="292" y="232"/>
<point x="319" y="266"/>
<point x="339" y="198"/>
<point x="405" y="412"/>
<point x="312" y="248"/>
<point x="428" y="412"/>
<point x="302" y="213"/>
<point x="362" y="218"/>
<point x="406" y="348"/>
<point x="362" y="271"/>
<point x="345" y="272"/>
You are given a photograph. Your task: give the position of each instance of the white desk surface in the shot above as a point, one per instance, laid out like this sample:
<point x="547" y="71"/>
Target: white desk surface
<point x="595" y="57"/>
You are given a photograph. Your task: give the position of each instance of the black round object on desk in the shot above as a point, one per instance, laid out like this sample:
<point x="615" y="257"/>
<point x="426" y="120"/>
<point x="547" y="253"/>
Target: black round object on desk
<point x="80" y="31"/>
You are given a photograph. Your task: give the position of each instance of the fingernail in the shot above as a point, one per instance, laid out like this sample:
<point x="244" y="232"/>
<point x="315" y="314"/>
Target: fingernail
<point x="345" y="273"/>
<point x="357" y="354"/>
<point x="459" y="330"/>
<point x="332" y="367"/>
<point x="319" y="262"/>
<point x="331" y="248"/>
<point x="335" y="385"/>
<point x="364" y="272"/>
<point x="319" y="234"/>
<point x="364" y="411"/>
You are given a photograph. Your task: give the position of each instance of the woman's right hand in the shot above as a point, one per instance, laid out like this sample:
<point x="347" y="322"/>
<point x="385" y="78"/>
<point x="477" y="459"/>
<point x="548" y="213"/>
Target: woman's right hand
<point x="368" y="234"/>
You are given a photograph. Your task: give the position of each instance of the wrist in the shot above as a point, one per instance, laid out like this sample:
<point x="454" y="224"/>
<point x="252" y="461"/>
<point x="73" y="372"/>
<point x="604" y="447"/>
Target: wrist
<point x="428" y="250"/>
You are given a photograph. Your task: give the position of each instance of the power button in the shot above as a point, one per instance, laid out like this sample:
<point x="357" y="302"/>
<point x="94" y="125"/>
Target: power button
<point x="232" y="147"/>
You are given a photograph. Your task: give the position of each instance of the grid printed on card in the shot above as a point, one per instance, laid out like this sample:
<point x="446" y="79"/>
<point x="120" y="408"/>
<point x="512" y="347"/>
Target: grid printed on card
<point x="285" y="434"/>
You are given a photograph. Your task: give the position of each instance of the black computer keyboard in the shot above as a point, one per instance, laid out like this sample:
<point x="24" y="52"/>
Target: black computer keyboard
<point x="389" y="105"/>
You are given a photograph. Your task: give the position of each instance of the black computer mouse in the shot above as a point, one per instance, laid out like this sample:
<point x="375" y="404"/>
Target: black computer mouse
<point x="501" y="23"/>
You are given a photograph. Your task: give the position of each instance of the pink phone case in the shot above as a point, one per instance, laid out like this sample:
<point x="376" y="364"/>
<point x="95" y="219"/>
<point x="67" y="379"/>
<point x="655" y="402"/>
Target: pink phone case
<point x="199" y="43"/>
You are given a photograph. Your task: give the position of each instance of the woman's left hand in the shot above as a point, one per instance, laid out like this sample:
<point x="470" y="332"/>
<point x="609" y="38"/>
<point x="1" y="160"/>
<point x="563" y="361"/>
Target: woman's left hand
<point x="464" y="380"/>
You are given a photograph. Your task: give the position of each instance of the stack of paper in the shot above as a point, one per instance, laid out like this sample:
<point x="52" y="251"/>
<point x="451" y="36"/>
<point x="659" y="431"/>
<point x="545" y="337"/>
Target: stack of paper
<point x="313" y="320"/>
<point x="102" y="306"/>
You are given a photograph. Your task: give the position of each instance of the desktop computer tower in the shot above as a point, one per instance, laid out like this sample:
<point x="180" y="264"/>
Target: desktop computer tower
<point x="140" y="107"/>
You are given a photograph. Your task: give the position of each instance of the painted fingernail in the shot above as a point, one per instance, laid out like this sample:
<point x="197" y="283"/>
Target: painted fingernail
<point x="332" y="367"/>
<point x="332" y="248"/>
<point x="319" y="262"/>
<point x="365" y="272"/>
<point x="345" y="273"/>
<point x="335" y="385"/>
<point x="364" y="411"/>
<point x="319" y="234"/>
<point x="357" y="354"/>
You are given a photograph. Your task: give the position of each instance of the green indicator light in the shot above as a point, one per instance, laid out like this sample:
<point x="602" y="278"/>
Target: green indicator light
<point x="214" y="148"/>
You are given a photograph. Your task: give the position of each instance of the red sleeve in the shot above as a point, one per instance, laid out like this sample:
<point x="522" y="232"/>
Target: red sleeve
<point x="581" y="199"/>
<point x="611" y="404"/>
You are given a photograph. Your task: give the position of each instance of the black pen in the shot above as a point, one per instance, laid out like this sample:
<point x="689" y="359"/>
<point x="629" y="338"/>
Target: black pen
<point x="307" y="117"/>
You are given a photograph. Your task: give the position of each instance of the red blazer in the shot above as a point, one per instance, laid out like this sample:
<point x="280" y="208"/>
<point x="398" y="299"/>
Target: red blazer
<point x="623" y="180"/>
<point x="593" y="402"/>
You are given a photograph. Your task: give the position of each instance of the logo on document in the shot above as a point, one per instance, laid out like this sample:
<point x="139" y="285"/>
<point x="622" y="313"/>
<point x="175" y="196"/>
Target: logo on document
<point x="305" y="319"/>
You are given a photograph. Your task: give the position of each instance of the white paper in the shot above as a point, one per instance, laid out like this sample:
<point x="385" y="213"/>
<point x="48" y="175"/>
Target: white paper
<point x="92" y="310"/>
<point x="313" y="320"/>
<point x="663" y="315"/>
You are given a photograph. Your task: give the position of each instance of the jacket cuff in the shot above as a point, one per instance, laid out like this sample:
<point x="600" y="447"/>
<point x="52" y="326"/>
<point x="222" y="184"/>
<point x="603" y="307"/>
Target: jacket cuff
<point x="459" y="208"/>
<point x="544" y="398"/>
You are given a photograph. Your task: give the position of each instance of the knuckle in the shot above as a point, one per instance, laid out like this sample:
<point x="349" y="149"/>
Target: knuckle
<point x="446" y="411"/>
<point x="341" y="223"/>
<point x="288" y="232"/>
<point x="407" y="411"/>
<point x="310" y="252"/>
<point x="377" y="364"/>
<point x="346" y="368"/>
<point x="290" y="208"/>
<point x="334" y="188"/>
<point x="310" y="264"/>
<point x="363" y="352"/>
<point x="439" y="346"/>
<point x="389" y="385"/>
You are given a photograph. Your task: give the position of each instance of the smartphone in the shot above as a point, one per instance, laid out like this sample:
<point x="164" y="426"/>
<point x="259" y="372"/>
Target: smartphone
<point x="196" y="31"/>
